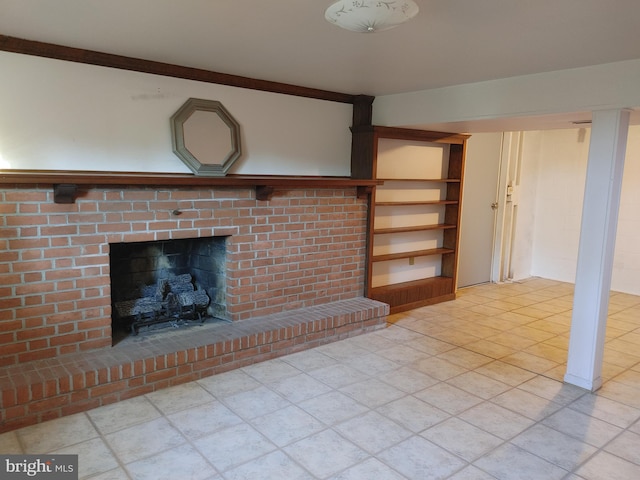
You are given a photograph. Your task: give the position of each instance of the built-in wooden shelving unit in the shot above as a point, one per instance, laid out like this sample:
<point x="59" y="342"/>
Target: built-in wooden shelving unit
<point x="414" y="215"/>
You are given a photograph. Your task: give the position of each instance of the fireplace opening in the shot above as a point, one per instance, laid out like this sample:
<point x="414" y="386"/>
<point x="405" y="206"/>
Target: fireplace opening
<point x="166" y="284"/>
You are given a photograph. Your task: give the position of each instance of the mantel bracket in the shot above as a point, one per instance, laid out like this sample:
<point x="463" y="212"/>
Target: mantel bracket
<point x="65" y="192"/>
<point x="363" y="191"/>
<point x="264" y="192"/>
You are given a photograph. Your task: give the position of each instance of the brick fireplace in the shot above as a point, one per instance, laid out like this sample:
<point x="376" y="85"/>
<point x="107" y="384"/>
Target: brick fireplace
<point x="294" y="279"/>
<point x="167" y="283"/>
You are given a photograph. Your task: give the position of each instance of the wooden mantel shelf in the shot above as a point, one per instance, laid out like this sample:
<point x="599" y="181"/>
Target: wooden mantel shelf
<point x="65" y="183"/>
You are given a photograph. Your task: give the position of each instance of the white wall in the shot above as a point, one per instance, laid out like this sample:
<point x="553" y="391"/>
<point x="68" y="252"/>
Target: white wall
<point x="522" y="254"/>
<point x="626" y="270"/>
<point x="562" y="161"/>
<point x="613" y="85"/>
<point x="69" y="116"/>
<point x="561" y="176"/>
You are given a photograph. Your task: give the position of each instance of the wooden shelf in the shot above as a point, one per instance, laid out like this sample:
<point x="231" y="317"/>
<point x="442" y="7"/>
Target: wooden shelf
<point x="411" y="134"/>
<point x="413" y="228"/>
<point x="65" y="182"/>
<point x="432" y="180"/>
<point x="411" y="203"/>
<point x="374" y="150"/>
<point x="417" y="253"/>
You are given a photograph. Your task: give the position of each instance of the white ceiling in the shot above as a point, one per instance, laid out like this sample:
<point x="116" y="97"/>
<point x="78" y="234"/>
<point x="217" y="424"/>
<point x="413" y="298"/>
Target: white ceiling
<point x="450" y="42"/>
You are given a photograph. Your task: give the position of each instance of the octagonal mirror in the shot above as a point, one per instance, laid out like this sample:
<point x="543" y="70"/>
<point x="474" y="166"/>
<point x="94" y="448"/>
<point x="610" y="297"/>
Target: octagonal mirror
<point x="205" y="137"/>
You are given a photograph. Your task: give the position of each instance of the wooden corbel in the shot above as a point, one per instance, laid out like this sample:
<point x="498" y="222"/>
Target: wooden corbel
<point x="264" y="192"/>
<point x="65" y="192"/>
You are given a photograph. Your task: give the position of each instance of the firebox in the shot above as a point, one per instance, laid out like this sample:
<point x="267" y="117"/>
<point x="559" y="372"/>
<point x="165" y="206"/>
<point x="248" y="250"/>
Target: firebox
<point x="167" y="283"/>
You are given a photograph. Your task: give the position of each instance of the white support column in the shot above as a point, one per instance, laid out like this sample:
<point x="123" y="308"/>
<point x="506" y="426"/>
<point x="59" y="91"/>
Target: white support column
<point x="597" y="242"/>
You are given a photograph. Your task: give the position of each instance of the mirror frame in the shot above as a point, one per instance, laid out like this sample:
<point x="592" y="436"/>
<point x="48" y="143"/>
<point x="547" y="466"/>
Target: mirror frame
<point x="178" y="120"/>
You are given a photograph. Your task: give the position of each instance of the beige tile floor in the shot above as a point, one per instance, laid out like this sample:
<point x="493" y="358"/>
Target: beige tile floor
<point x="470" y="389"/>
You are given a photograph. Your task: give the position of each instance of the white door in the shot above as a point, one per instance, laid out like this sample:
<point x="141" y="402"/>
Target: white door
<point x="507" y="206"/>
<point x="477" y="224"/>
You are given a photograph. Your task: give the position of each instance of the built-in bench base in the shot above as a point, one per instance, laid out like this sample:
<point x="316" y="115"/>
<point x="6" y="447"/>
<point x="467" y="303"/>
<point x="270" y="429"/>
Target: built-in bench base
<point x="45" y="389"/>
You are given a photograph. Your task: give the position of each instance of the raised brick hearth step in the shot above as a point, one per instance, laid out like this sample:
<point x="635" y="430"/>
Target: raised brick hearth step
<point x="41" y="390"/>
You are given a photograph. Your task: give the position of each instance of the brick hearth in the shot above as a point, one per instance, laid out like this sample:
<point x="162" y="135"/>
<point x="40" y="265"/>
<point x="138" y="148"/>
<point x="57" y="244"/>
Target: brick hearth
<point x="44" y="389"/>
<point x="295" y="267"/>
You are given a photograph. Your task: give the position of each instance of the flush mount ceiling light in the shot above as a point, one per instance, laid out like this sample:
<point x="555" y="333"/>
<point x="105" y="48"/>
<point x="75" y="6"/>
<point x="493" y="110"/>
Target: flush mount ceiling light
<point x="370" y="15"/>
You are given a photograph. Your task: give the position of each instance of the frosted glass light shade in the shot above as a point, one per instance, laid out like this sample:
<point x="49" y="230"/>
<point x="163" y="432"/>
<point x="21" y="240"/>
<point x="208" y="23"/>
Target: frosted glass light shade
<point x="370" y="15"/>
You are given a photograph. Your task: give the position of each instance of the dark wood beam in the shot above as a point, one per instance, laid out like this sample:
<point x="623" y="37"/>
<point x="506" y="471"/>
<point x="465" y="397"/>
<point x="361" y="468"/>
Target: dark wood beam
<point x="362" y="110"/>
<point x="80" y="55"/>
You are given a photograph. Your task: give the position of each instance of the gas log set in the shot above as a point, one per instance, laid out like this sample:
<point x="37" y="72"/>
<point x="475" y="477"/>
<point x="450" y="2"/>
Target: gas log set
<point x="174" y="301"/>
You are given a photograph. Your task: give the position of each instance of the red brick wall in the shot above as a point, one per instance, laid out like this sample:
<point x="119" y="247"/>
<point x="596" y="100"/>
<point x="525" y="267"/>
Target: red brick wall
<point x="301" y="248"/>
